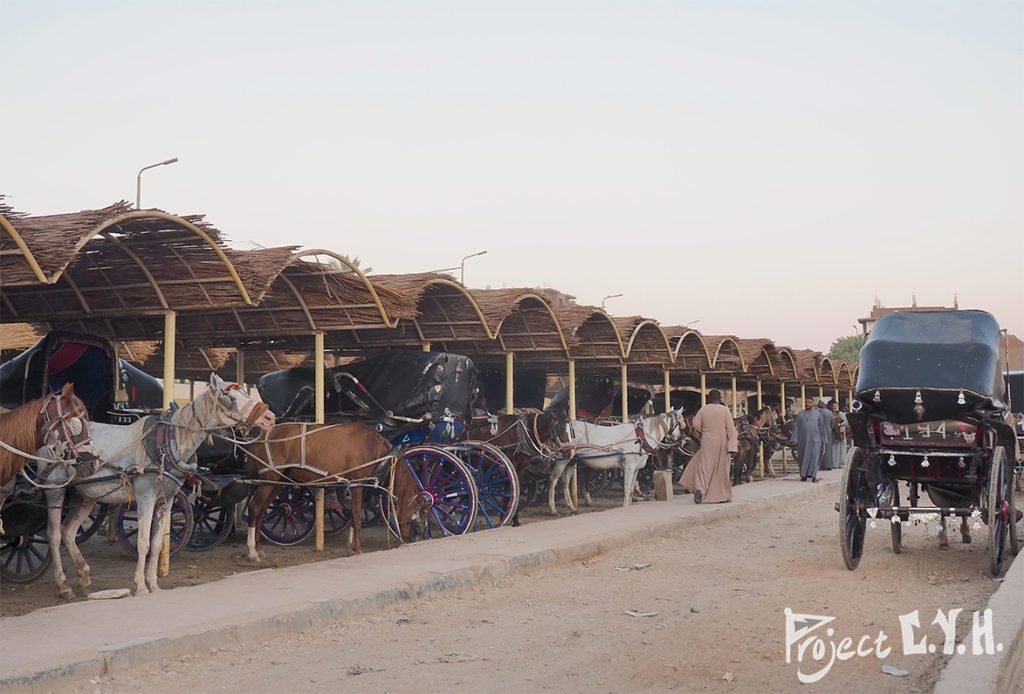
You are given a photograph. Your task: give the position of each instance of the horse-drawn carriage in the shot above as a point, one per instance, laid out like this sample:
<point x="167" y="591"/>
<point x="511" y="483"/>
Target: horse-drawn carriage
<point x="421" y="402"/>
<point x="929" y="416"/>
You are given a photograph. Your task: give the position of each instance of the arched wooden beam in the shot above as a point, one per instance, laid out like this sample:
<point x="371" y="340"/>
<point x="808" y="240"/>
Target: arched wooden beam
<point x="143" y="214"/>
<point x="664" y="338"/>
<point x="547" y="307"/>
<point x="700" y="339"/>
<point x="347" y="263"/>
<point x="25" y="252"/>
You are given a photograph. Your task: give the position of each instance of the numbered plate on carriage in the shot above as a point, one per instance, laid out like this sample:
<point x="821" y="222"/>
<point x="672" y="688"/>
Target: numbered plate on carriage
<point x="946" y="432"/>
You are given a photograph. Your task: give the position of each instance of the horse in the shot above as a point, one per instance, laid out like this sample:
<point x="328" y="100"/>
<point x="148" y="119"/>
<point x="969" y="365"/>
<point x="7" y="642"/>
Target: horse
<point x="57" y="423"/>
<point x="147" y="462"/>
<point x="624" y="446"/>
<point x="525" y="437"/>
<point x="299" y="452"/>
<point x="750" y="430"/>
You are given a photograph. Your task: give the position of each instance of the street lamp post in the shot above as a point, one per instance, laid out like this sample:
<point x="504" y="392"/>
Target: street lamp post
<point x="138" y="180"/>
<point x="462" y="266"/>
<point x="610" y="296"/>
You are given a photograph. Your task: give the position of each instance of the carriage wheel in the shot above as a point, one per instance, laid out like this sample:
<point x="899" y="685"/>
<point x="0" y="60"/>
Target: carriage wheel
<point x="127" y="525"/>
<point x="446" y="485"/>
<point x="93" y="523"/>
<point x="497" y="483"/>
<point x="597" y="481"/>
<point x="289" y="519"/>
<point x="212" y="524"/>
<point x="852" y="502"/>
<point x="23" y="558"/>
<point x="1000" y="511"/>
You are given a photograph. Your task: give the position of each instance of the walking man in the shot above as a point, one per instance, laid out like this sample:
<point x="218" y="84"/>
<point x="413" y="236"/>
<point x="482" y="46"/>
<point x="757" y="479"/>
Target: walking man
<point x="708" y="472"/>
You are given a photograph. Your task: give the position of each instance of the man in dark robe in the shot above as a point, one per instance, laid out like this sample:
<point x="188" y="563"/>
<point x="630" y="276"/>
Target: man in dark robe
<point x="826" y="414"/>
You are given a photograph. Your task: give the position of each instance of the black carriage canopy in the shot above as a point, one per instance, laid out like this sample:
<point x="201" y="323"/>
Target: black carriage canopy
<point x="595" y="393"/>
<point x="403" y="383"/>
<point x="948" y="358"/>
<point x="84" y="361"/>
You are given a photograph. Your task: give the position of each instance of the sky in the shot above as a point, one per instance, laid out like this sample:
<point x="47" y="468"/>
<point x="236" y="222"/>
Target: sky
<point x="766" y="169"/>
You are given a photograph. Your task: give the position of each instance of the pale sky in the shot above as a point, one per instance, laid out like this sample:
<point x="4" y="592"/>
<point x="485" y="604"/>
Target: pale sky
<point x="760" y="168"/>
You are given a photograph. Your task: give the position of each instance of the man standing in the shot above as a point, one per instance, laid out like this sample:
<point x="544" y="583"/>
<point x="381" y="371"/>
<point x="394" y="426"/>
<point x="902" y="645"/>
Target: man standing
<point x="839" y="425"/>
<point x="809" y="438"/>
<point x="826" y="415"/>
<point x="708" y="472"/>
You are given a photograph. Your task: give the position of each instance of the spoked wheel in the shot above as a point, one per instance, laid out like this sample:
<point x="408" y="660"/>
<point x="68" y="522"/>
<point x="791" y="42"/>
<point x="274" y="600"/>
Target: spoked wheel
<point x="213" y="523"/>
<point x="23" y="558"/>
<point x="289" y="519"/>
<point x="852" y="502"/>
<point x="597" y="480"/>
<point x="93" y="523"/>
<point x="446" y="493"/>
<point x="532" y="489"/>
<point x="181" y="524"/>
<point x="497" y="483"/>
<point x="1001" y="513"/>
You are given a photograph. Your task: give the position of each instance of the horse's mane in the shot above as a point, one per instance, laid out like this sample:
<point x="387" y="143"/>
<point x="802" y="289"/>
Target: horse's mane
<point x="18" y="429"/>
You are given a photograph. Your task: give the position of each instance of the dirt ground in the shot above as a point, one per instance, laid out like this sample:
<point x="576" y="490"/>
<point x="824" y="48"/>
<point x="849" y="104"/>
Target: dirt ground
<point x="695" y="611"/>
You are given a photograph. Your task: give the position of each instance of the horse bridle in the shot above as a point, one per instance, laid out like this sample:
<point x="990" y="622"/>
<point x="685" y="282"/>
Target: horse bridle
<point x="70" y="425"/>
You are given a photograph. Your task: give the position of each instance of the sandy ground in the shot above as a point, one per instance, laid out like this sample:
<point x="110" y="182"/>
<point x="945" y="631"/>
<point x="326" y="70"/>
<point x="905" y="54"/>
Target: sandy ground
<point x="701" y="611"/>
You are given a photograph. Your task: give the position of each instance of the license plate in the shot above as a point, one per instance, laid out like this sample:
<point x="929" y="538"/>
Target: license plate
<point x="946" y="432"/>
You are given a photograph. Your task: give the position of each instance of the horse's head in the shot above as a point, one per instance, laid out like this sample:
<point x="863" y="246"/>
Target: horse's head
<point x="554" y="429"/>
<point x="235" y="408"/>
<point x="65" y="426"/>
<point x="410" y="503"/>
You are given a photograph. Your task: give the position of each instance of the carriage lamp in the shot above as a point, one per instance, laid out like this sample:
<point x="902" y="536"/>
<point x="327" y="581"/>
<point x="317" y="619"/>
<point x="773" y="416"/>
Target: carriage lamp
<point x="917" y="398"/>
<point x="960" y="399"/>
<point x="960" y="462"/>
<point x="924" y="462"/>
<point x="878" y="396"/>
<point x="892" y="460"/>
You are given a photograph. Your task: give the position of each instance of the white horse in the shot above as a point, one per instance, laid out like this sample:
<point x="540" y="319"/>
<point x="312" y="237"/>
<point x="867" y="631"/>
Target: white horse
<point x="145" y="462"/>
<point x="624" y="446"/>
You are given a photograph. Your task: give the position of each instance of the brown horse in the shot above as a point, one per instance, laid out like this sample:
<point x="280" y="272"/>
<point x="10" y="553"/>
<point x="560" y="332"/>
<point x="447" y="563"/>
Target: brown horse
<point x="304" y="453"/>
<point x="525" y="437"/>
<point x="749" y="432"/>
<point x="58" y="422"/>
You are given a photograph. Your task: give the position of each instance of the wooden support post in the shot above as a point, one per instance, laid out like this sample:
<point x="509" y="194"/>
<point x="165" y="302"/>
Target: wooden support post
<point x="782" y="410"/>
<point x="668" y="391"/>
<point x="170" y="342"/>
<point x="624" y="394"/>
<point x="735" y="399"/>
<point x="574" y="482"/>
<point x="239" y="367"/>
<point x="318" y="495"/>
<point x="703" y="389"/>
<point x="760" y="445"/>
<point x="510" y="382"/>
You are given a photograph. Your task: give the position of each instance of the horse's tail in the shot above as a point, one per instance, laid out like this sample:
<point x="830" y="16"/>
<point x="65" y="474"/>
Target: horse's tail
<point x="17" y="430"/>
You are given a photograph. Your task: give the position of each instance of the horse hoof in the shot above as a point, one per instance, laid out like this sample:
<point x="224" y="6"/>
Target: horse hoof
<point x="943" y="545"/>
<point x="967" y="539"/>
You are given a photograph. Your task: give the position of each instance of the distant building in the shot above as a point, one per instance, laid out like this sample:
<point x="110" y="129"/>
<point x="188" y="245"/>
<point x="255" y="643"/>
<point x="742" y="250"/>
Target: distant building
<point x="557" y="298"/>
<point x="877" y="311"/>
<point x="1014" y="346"/>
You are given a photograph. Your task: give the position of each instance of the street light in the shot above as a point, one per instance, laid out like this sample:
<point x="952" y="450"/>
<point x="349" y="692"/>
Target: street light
<point x="462" y="266"/>
<point x="138" y="180"/>
<point x="610" y="296"/>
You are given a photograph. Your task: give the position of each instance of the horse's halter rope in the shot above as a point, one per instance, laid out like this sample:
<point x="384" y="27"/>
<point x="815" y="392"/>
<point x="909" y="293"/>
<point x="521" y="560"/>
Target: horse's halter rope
<point x="60" y="425"/>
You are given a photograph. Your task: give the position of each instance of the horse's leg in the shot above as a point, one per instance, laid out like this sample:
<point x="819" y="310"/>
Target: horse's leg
<point x="630" y="468"/>
<point x="258" y="503"/>
<point x="145" y="507"/>
<point x="357" y="520"/>
<point x="943" y="538"/>
<point x="69" y="532"/>
<point x="54" y="503"/>
<point x="965" y="530"/>
<point x="588" y="473"/>
<point x="556" y="473"/>
<point x="157" y="531"/>
<point x="567" y="474"/>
